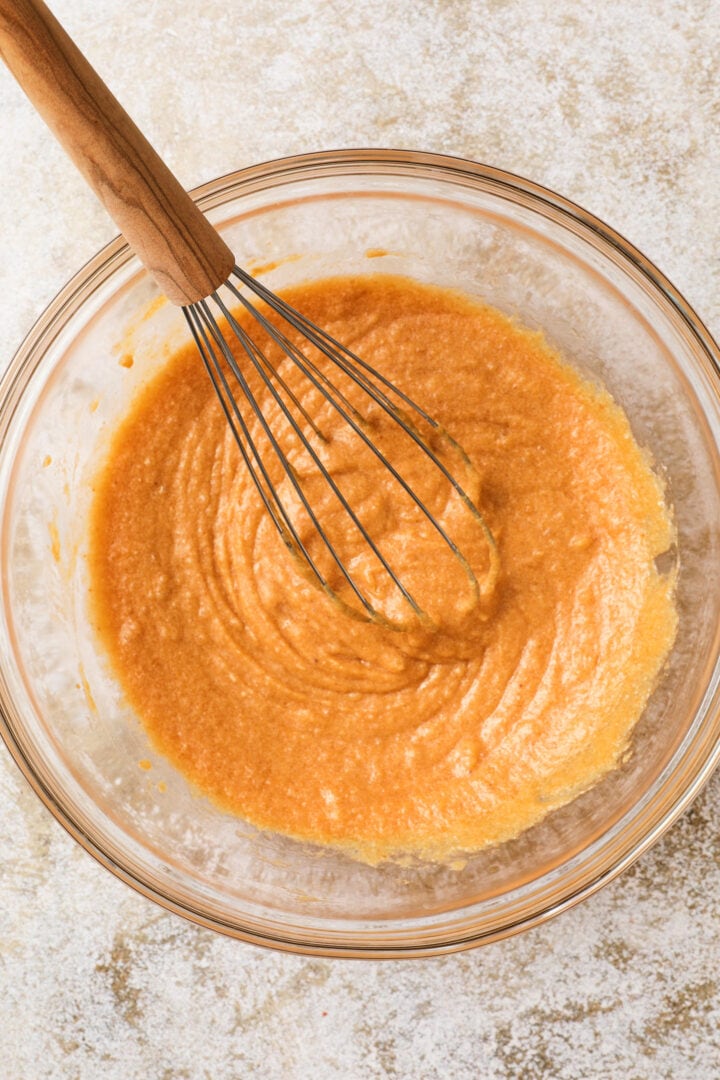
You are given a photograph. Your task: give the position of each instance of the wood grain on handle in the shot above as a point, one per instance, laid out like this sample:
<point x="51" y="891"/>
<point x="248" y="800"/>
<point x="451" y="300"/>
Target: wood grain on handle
<point x="177" y="244"/>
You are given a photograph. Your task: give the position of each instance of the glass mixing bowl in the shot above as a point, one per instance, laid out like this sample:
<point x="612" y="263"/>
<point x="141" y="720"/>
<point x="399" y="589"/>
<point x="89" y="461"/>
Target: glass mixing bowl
<point x="438" y="219"/>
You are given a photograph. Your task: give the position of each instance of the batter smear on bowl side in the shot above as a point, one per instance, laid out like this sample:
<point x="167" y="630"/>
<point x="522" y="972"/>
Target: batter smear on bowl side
<point x="442" y="737"/>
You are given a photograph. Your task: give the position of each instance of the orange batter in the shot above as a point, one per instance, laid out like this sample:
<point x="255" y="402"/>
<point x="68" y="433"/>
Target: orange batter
<point x="437" y="738"/>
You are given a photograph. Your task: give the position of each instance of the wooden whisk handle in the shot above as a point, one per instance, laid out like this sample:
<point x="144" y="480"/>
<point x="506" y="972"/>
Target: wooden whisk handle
<point x="174" y="240"/>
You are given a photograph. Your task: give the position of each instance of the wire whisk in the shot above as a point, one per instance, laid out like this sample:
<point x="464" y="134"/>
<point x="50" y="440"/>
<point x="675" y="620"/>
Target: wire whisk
<point x="192" y="264"/>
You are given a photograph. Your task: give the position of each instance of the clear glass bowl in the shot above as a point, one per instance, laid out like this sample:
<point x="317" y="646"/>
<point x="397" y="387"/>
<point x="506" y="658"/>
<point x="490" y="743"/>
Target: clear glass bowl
<point x="441" y="220"/>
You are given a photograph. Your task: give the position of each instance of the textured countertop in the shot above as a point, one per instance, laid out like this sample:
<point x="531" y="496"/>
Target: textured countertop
<point x="615" y="105"/>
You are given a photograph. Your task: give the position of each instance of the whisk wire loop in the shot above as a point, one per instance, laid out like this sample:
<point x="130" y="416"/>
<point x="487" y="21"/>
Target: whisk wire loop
<point x="220" y="362"/>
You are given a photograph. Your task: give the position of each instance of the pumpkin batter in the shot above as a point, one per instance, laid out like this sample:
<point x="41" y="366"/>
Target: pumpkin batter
<point x="430" y="740"/>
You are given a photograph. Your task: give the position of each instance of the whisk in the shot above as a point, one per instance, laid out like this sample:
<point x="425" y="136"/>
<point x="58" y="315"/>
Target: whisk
<point x="196" y="270"/>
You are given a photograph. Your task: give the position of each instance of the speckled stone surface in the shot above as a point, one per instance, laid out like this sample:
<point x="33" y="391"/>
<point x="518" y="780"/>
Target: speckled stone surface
<point x="616" y="105"/>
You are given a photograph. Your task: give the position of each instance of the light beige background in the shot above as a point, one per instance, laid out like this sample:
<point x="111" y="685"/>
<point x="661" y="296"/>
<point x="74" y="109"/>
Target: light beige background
<point x="614" y="104"/>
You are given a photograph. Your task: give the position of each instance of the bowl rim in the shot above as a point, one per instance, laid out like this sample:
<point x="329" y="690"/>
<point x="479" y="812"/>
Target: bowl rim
<point x="270" y="174"/>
